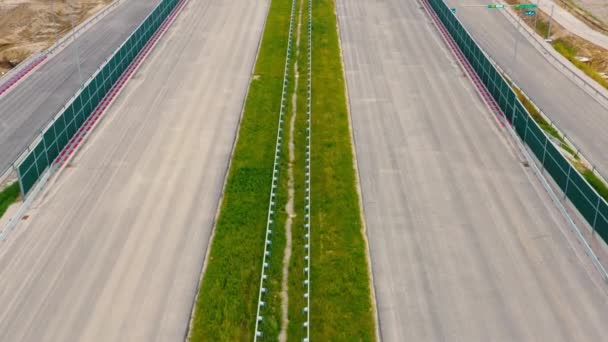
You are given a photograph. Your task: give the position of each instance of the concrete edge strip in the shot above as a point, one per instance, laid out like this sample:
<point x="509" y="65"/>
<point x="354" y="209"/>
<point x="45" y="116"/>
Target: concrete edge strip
<point x="507" y="125"/>
<point x="69" y="151"/>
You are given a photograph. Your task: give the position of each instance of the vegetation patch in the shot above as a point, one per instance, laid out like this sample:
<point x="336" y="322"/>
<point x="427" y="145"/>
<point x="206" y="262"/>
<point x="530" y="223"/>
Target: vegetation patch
<point x="341" y="305"/>
<point x="567" y="49"/>
<point x="596" y="182"/>
<point x="341" y="308"/>
<point x="8" y="196"/>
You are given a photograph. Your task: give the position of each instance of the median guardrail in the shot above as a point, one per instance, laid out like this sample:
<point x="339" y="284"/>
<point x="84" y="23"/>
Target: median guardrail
<point x="575" y="187"/>
<point x="73" y="115"/>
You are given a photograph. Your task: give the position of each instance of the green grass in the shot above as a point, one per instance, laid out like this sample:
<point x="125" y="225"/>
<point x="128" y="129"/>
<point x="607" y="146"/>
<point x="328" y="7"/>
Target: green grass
<point x="341" y="308"/>
<point x="542" y="28"/>
<point x="537" y="116"/>
<point x="565" y="47"/>
<point x="295" y="331"/>
<point x="596" y="182"/>
<point x="227" y="301"/>
<point x="8" y="196"/>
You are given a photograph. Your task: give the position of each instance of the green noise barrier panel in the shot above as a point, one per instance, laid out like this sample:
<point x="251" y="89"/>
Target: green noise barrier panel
<point x="73" y="115"/>
<point x="580" y="193"/>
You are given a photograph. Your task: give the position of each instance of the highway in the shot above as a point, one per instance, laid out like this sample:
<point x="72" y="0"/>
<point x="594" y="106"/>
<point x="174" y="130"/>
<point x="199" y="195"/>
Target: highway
<point x="465" y="244"/>
<point x="35" y="100"/>
<point x="583" y="119"/>
<point x="113" y="249"/>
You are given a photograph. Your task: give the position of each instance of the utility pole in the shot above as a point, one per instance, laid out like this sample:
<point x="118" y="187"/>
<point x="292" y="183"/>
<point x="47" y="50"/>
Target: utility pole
<point x="516" y="38"/>
<point x="550" y="20"/>
<point x="536" y="16"/>
<point x="76" y="52"/>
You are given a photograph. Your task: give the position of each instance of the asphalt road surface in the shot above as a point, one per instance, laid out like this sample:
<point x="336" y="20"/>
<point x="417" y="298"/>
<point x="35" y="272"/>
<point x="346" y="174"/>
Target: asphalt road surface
<point x="465" y="244"/>
<point x="114" y="249"/>
<point x="578" y="114"/>
<point x="35" y="100"/>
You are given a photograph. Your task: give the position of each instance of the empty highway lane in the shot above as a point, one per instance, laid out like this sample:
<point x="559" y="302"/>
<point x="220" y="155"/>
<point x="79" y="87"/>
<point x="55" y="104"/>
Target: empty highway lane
<point x="113" y="250"/>
<point x="465" y="244"/>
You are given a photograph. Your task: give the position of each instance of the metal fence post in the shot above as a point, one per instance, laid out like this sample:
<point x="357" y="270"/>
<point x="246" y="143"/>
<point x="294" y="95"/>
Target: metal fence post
<point x="567" y="181"/>
<point x="526" y="130"/>
<point x="542" y="164"/>
<point x="550" y="20"/>
<point x="46" y="152"/>
<point x="514" y="111"/>
<point x="19" y="180"/>
<point x="517" y="35"/>
<point x="597" y="210"/>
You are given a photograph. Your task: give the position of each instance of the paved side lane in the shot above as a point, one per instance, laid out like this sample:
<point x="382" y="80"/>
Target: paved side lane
<point x="113" y="251"/>
<point x="465" y="245"/>
<point x="579" y="115"/>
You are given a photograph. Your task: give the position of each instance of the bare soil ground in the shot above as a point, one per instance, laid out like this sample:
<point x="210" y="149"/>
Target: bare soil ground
<point x="28" y="26"/>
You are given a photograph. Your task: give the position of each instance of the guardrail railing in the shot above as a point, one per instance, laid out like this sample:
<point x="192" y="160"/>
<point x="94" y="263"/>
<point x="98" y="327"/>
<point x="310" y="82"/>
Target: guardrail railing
<point x="270" y="219"/>
<point x="308" y="180"/>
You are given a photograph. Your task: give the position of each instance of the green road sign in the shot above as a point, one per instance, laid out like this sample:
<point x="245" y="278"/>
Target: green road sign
<point x="525" y="6"/>
<point x="530" y="12"/>
<point x="453" y="9"/>
<point x="496" y="6"/>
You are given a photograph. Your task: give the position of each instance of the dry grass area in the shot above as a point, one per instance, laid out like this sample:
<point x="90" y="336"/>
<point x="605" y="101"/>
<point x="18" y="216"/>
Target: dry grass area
<point x="28" y="26"/>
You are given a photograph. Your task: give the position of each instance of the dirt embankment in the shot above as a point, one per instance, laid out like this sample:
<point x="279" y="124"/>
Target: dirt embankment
<point x="28" y="26"/>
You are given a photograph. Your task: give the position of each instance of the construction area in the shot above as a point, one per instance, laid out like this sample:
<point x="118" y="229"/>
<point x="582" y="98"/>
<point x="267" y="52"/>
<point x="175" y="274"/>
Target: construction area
<point x="29" y="26"/>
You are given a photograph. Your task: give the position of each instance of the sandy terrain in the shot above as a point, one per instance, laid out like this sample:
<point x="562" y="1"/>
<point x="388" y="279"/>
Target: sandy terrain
<point x="27" y="26"/>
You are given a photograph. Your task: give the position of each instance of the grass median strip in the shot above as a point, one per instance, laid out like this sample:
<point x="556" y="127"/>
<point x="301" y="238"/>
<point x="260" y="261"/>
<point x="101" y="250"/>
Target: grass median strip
<point x="340" y="297"/>
<point x="341" y="304"/>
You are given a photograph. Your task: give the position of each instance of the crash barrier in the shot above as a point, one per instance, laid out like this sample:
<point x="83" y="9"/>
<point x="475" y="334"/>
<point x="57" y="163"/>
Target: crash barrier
<point x="78" y="109"/>
<point x="548" y="152"/>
